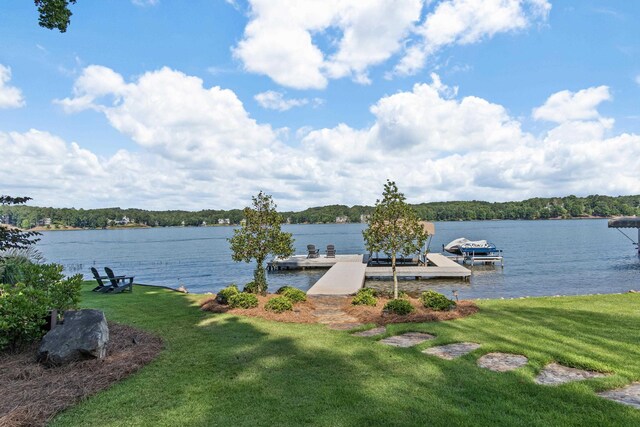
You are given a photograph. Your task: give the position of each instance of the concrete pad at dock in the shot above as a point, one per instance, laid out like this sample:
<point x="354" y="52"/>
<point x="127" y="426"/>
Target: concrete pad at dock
<point x="344" y="278"/>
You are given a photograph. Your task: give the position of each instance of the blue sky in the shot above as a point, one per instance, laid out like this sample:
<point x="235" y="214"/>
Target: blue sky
<point x="319" y="102"/>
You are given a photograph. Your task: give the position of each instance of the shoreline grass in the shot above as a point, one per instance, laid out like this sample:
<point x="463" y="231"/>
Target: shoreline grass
<point x="220" y="369"/>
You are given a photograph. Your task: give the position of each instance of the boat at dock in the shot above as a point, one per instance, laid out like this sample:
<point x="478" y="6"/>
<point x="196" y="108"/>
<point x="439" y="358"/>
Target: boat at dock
<point x="464" y="246"/>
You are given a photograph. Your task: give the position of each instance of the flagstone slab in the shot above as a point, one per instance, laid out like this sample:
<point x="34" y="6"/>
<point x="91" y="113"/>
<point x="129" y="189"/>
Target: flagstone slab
<point x="452" y="351"/>
<point x="629" y="395"/>
<point x="407" y="340"/>
<point x="371" y="332"/>
<point x="502" y="362"/>
<point x="555" y="374"/>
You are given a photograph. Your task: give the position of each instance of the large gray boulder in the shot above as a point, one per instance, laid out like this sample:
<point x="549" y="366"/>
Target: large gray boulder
<point x="83" y="335"/>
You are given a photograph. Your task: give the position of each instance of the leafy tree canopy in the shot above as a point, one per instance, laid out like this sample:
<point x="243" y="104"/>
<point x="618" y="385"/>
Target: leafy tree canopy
<point x="394" y="228"/>
<point x="54" y="14"/>
<point x="14" y="238"/>
<point x="260" y="235"/>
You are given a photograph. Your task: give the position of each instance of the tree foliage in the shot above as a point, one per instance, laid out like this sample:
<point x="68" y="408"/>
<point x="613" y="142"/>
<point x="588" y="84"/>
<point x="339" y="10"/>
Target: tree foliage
<point x="530" y="209"/>
<point x="259" y="236"/>
<point x="14" y="238"/>
<point x="54" y="14"/>
<point x="394" y="228"/>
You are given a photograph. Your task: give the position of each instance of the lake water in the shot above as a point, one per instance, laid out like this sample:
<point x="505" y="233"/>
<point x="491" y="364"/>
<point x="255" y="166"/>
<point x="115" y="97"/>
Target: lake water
<point x="541" y="257"/>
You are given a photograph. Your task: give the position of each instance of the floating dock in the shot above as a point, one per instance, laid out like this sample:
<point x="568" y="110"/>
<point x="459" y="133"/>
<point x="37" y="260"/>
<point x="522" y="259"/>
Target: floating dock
<point x="347" y="273"/>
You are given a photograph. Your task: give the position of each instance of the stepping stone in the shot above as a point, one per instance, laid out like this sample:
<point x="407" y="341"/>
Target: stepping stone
<point x="344" y="326"/>
<point x="371" y="332"/>
<point x="629" y="395"/>
<point x="452" y="351"/>
<point x="554" y="374"/>
<point x="502" y="362"/>
<point x="407" y="340"/>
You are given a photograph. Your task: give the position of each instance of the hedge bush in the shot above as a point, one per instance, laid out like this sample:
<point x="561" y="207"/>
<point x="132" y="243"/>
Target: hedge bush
<point x="294" y="294"/>
<point x="24" y="305"/>
<point x="243" y="300"/>
<point x="279" y="304"/>
<point x="365" y="296"/>
<point x="436" y="301"/>
<point x="399" y="306"/>
<point x="223" y="296"/>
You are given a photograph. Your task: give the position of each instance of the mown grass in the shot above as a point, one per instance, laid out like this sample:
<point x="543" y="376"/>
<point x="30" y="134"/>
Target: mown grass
<point x="219" y="369"/>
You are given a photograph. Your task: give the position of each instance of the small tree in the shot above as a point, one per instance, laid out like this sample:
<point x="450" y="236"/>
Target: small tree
<point x="14" y="238"/>
<point x="259" y="236"/>
<point x="394" y="228"/>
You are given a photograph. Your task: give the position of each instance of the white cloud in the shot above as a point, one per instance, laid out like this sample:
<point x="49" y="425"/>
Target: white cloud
<point x="10" y="96"/>
<point x="466" y="22"/>
<point x="304" y="43"/>
<point x="274" y="100"/>
<point x="565" y="105"/>
<point x="199" y="148"/>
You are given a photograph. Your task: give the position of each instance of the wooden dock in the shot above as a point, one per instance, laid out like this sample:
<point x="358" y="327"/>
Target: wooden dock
<point x="344" y="278"/>
<point x="301" y="262"/>
<point x="440" y="266"/>
<point x="347" y="273"/>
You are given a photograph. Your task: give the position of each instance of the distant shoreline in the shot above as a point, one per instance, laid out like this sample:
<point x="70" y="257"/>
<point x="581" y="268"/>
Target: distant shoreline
<point x="142" y="226"/>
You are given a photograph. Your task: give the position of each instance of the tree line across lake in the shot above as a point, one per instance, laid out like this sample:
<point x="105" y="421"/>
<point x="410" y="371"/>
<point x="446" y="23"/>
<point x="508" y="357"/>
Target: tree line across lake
<point x="536" y="208"/>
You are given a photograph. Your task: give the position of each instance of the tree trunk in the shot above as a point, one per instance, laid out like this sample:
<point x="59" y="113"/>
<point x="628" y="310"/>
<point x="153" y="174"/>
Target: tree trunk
<point x="259" y="277"/>
<point x="395" y="277"/>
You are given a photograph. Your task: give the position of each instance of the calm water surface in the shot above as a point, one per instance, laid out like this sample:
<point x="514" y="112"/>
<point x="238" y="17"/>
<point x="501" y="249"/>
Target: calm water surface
<point x="541" y="257"/>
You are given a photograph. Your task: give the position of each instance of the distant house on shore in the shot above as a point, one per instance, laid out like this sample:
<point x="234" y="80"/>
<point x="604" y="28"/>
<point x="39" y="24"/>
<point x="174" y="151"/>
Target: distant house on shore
<point x="342" y="219"/>
<point x="6" y="219"/>
<point x="124" y="221"/>
<point x="224" y="221"/>
<point x="204" y="224"/>
<point x="364" y="218"/>
<point x="44" y="222"/>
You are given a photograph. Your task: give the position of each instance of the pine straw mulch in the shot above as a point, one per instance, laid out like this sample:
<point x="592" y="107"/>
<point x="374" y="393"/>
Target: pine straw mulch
<point x="303" y="311"/>
<point x="367" y="314"/>
<point x="31" y="394"/>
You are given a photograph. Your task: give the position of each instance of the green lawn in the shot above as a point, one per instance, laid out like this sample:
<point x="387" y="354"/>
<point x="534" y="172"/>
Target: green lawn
<point x="219" y="369"/>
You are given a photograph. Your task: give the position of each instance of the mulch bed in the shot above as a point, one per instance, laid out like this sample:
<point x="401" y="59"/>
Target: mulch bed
<point x="367" y="314"/>
<point x="301" y="313"/>
<point x="31" y="394"/>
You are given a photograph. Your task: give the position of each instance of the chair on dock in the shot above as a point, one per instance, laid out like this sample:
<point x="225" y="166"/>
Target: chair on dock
<point x="331" y="251"/>
<point x="119" y="283"/>
<point x="101" y="286"/>
<point x="313" y="252"/>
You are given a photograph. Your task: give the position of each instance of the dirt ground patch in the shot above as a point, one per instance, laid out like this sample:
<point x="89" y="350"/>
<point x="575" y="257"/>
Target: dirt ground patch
<point x="32" y="394"/>
<point x="303" y="311"/>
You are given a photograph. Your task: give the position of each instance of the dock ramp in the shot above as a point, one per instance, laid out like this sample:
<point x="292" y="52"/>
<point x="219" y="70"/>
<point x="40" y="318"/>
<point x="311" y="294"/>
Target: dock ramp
<point x="344" y="278"/>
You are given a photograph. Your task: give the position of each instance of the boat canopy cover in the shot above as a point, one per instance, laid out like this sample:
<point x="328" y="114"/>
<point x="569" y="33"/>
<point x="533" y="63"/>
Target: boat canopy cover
<point x="625" y="222"/>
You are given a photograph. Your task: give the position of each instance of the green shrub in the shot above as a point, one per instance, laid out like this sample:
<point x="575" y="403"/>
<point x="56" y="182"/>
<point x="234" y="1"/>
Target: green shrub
<point x="22" y="314"/>
<point x="294" y="294"/>
<point x="252" y="288"/>
<point x="403" y="295"/>
<point x="398" y="306"/>
<point x="243" y="300"/>
<point x="24" y="305"/>
<point x="436" y="301"/>
<point x="279" y="304"/>
<point x="223" y="296"/>
<point x="365" y="296"/>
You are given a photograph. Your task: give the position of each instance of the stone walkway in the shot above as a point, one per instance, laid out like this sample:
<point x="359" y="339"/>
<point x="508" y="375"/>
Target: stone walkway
<point x="452" y="351"/>
<point x="328" y="312"/>
<point x="629" y="395"/>
<point x="408" y="339"/>
<point x="502" y="362"/>
<point x="371" y="332"/>
<point x="554" y="374"/>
